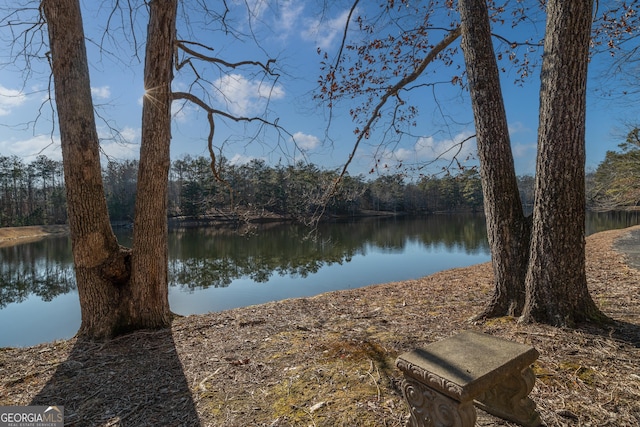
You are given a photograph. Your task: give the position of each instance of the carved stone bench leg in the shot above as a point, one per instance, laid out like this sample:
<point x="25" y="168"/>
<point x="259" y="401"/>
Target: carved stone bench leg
<point x="509" y="399"/>
<point x="430" y="408"/>
<point x="445" y="379"/>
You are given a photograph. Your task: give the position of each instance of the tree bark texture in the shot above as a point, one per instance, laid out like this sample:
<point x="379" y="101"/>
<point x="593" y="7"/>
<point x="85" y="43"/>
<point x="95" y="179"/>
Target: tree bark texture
<point x="101" y="266"/>
<point x="149" y="280"/>
<point x="556" y="283"/>
<point x="120" y="290"/>
<point x="507" y="229"/>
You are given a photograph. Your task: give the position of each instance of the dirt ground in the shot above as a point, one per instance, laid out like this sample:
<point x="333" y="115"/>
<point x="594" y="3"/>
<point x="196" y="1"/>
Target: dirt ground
<point x="329" y="360"/>
<point x="14" y="235"/>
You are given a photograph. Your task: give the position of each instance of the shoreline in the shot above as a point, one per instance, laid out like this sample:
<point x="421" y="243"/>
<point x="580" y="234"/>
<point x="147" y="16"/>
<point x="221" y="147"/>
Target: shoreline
<point x="31" y="233"/>
<point x="330" y="359"/>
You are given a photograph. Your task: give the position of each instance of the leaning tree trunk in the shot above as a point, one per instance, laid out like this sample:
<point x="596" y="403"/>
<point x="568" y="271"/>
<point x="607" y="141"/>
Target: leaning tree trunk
<point x="507" y="229"/>
<point x="556" y="282"/>
<point x="101" y="266"/>
<point x="149" y="282"/>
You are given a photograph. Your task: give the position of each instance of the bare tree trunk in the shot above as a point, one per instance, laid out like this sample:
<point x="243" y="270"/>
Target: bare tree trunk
<point x="149" y="281"/>
<point x="120" y="290"/>
<point x="508" y="230"/>
<point x="101" y="265"/>
<point x="556" y="282"/>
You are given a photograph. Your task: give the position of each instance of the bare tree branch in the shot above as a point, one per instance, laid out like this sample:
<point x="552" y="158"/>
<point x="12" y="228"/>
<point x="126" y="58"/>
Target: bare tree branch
<point x="393" y="91"/>
<point x="375" y="114"/>
<point x="206" y="107"/>
<point x="211" y="112"/>
<point x="126" y="21"/>
<point x="513" y="44"/>
<point x="182" y="44"/>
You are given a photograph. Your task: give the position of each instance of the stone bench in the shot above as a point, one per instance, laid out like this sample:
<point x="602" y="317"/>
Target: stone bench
<point x="444" y="380"/>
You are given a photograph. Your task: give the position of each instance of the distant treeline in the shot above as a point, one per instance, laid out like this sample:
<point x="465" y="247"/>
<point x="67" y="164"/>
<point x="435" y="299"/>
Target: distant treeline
<point x="33" y="193"/>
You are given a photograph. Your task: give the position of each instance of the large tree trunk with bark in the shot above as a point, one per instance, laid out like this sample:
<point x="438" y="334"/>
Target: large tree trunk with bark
<point x="556" y="282"/>
<point x="101" y="265"/>
<point x="120" y="290"/>
<point x="149" y="281"/>
<point x="508" y="230"/>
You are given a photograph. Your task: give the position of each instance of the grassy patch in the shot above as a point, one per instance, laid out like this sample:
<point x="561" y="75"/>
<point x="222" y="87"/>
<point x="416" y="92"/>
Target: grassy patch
<point x="584" y="374"/>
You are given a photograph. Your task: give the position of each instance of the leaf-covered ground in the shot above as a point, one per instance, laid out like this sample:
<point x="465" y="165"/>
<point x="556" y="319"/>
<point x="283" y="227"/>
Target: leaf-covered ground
<point x="330" y="360"/>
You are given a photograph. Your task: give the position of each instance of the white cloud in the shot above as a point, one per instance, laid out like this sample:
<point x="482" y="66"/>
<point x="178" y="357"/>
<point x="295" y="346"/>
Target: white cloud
<point x="181" y="111"/>
<point x="255" y="7"/>
<point x="242" y="96"/>
<point x="524" y="147"/>
<point x="524" y="156"/>
<point x="130" y="134"/>
<point x="403" y="154"/>
<point x="268" y="91"/>
<point x="305" y="142"/>
<point x="427" y="148"/>
<point x="119" y="151"/>
<point x="524" y="150"/>
<point x="102" y="92"/>
<point x="127" y="135"/>
<point x="290" y="12"/>
<point x="126" y="145"/>
<point x="323" y="32"/>
<point x="518" y="127"/>
<point x="463" y="147"/>
<point x="9" y="99"/>
<point x="30" y="148"/>
<point x="240" y="159"/>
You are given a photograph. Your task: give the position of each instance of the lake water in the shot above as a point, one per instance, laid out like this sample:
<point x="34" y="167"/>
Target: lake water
<point x="215" y="269"/>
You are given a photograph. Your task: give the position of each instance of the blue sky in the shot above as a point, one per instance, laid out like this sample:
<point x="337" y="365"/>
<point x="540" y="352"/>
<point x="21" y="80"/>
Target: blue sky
<point x="290" y="31"/>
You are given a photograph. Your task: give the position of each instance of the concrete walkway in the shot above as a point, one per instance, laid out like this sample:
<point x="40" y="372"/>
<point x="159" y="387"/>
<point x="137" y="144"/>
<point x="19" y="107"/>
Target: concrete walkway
<point x="629" y="244"/>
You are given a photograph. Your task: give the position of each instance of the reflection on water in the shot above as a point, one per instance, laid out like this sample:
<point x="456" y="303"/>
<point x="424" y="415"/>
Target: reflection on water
<point x="203" y="258"/>
<point x="43" y="269"/>
<point x="602" y="221"/>
<point x="215" y="269"/>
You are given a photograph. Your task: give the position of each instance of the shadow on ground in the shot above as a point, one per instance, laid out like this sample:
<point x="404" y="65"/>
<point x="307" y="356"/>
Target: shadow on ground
<point x="621" y="331"/>
<point x="134" y="380"/>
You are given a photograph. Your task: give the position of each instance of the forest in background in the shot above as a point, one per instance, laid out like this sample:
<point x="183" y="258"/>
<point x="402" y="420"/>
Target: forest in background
<point x="125" y="289"/>
<point x="33" y="193"/>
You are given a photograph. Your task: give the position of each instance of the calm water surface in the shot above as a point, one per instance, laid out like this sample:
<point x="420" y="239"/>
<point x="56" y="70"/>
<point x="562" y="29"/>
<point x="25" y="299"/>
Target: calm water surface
<point x="213" y="270"/>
